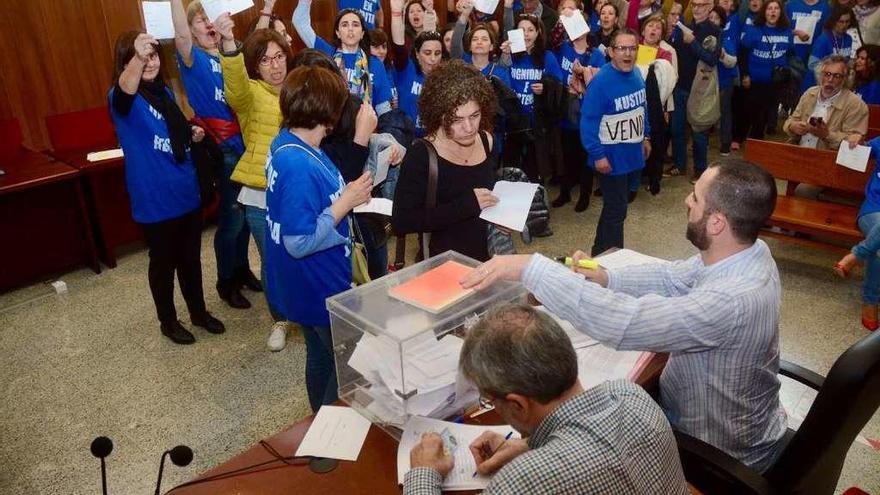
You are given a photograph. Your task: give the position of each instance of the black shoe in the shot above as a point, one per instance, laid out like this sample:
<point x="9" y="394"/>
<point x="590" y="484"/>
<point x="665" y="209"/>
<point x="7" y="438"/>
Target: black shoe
<point x="561" y="200"/>
<point x="582" y="204"/>
<point x="632" y="196"/>
<point x="246" y="278"/>
<point x="598" y="192"/>
<point x="229" y="292"/>
<point x="654" y="188"/>
<point x="208" y="322"/>
<point x="175" y="331"/>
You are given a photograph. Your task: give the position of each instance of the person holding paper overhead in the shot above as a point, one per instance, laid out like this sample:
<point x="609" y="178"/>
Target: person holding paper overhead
<point x="828" y="113"/>
<point x="612" y="438"/>
<point x="309" y="244"/>
<point x="161" y="181"/>
<point x="615" y="131"/>
<point x="457" y="111"/>
<point x="479" y="46"/>
<point x="716" y="314"/>
<point x="198" y="58"/>
<point x="351" y="51"/>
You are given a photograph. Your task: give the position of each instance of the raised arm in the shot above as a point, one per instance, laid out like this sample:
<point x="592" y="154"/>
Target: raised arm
<point x="265" y="15"/>
<point x="145" y="46"/>
<point x="457" y="48"/>
<point x="302" y="22"/>
<point x="430" y="16"/>
<point x="182" y="35"/>
<point x="398" y="29"/>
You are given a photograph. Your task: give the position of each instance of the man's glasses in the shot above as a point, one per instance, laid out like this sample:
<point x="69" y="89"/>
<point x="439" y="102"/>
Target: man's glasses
<point x="266" y="60"/>
<point x="626" y="49"/>
<point x="837" y="76"/>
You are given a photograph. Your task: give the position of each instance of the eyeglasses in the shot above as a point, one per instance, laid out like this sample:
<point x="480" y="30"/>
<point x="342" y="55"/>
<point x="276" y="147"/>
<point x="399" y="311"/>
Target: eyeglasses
<point x="266" y="60"/>
<point x="701" y="5"/>
<point x="837" y="76"/>
<point x="486" y="403"/>
<point x="626" y="49"/>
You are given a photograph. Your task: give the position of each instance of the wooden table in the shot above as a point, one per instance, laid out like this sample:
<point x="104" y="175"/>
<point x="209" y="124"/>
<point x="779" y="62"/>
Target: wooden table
<point x="45" y="226"/>
<point x="374" y="473"/>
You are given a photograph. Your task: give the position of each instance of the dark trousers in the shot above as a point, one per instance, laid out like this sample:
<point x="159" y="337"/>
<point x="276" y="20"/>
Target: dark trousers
<point x="609" y="232"/>
<point x="574" y="157"/>
<point x="758" y="101"/>
<point x="654" y="163"/>
<point x="740" y="114"/>
<point x="176" y="245"/>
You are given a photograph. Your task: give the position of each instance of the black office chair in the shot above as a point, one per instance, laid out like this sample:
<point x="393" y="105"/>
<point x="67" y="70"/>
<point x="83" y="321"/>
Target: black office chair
<point x="811" y="461"/>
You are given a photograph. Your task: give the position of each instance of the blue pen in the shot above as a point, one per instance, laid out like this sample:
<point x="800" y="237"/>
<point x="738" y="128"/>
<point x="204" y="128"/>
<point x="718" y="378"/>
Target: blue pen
<point x="506" y="438"/>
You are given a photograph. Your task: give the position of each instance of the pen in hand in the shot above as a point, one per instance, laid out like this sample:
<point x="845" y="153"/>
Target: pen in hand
<point x="492" y="452"/>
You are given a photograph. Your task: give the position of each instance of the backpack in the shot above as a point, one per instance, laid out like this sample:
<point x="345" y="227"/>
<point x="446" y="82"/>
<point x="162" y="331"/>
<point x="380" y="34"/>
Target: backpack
<point x="538" y="221"/>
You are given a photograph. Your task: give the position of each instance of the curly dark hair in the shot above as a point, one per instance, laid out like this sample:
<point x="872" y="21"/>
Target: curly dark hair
<point x="452" y="84"/>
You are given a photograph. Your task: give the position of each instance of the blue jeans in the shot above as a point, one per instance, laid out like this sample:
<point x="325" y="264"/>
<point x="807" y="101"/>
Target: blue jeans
<point x="609" y="232"/>
<point x="320" y="366"/>
<point x="634" y="179"/>
<point x="725" y="132"/>
<point x="867" y="251"/>
<point x="232" y="235"/>
<point x="678" y="129"/>
<point x="256" y="221"/>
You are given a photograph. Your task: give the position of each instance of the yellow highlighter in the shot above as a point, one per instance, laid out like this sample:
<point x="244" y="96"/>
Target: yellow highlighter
<point x="585" y="263"/>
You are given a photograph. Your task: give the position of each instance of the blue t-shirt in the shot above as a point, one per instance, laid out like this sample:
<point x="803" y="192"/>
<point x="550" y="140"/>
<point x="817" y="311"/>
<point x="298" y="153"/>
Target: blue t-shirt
<point x="614" y="119"/>
<point x="523" y="73"/>
<point x="367" y="8"/>
<point x="567" y="56"/>
<point x="391" y="77"/>
<point x="729" y="41"/>
<point x="767" y="49"/>
<point x="301" y="182"/>
<point x="159" y="188"/>
<point x="409" y="87"/>
<point x="796" y="9"/>
<point x="870" y="92"/>
<point x="826" y="44"/>
<point x="493" y="68"/>
<point x="203" y="81"/>
<point x="381" y="87"/>
<point x="872" y="189"/>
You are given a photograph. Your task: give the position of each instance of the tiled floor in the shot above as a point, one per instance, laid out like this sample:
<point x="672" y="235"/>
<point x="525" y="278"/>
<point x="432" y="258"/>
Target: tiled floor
<point x="92" y="362"/>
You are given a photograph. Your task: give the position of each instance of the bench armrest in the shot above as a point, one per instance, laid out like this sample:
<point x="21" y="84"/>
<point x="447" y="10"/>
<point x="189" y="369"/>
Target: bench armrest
<point x="711" y="470"/>
<point x="800" y="374"/>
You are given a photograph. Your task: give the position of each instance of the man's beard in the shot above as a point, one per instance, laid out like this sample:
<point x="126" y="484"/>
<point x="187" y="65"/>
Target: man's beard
<point x="696" y="233"/>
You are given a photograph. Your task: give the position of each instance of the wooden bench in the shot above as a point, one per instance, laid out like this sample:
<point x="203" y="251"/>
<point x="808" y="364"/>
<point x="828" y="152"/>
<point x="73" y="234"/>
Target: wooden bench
<point x="822" y="219"/>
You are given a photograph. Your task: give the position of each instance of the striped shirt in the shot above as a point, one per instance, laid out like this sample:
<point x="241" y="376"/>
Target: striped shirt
<point x="611" y="438"/>
<point x="719" y="324"/>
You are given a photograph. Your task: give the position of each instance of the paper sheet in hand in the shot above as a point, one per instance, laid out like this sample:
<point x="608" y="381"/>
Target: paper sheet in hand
<point x="383" y="161"/>
<point x="381" y="206"/>
<point x="856" y="159"/>
<point x="460" y="437"/>
<point x="646" y="55"/>
<point x="514" y="201"/>
<point x="575" y="25"/>
<point x="213" y="8"/>
<point x="436" y="289"/>
<point x="97" y="156"/>
<point x="336" y="433"/>
<point x="157" y="19"/>
<point x="517" y="40"/>
<point x="806" y="24"/>
<point x="486" y="6"/>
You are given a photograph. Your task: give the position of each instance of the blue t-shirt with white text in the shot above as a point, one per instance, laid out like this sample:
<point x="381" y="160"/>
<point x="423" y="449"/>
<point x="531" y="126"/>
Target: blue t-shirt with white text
<point x="381" y="87"/>
<point x="523" y="73"/>
<point x="367" y="8"/>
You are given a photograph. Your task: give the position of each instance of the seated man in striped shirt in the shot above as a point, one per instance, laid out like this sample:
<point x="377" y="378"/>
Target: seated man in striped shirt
<point x="612" y="438"/>
<point x="716" y="314"/>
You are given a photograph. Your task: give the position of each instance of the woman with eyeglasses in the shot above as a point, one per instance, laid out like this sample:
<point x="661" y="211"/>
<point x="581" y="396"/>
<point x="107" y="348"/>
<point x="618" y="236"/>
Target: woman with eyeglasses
<point x="161" y="181"/>
<point x="834" y="40"/>
<point x="866" y="74"/>
<point x="351" y="51"/>
<point x="252" y="77"/>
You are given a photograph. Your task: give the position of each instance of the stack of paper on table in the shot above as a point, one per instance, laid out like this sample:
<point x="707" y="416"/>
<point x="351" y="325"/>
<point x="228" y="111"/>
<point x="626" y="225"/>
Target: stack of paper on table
<point x="457" y="439"/>
<point x="436" y="289"/>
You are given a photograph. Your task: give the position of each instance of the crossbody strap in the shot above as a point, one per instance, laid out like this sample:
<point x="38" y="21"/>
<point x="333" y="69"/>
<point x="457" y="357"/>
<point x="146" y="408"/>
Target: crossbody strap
<point x="430" y="202"/>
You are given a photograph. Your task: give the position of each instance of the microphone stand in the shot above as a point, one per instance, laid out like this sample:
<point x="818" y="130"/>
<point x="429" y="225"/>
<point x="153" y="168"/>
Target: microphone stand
<point x="161" y="467"/>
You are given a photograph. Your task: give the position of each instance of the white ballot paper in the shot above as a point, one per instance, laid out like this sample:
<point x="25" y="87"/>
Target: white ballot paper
<point x="626" y="257"/>
<point x="336" y="433"/>
<point x="517" y="40"/>
<point x="486" y="6"/>
<point x="806" y="24"/>
<point x="514" y="201"/>
<point x="456" y="439"/>
<point x="383" y="161"/>
<point x="381" y="206"/>
<point x="575" y="25"/>
<point x="213" y="8"/>
<point x="157" y="19"/>
<point x="97" y="156"/>
<point x="856" y="159"/>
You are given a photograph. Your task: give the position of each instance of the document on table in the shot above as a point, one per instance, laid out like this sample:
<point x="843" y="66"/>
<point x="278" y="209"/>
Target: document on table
<point x="336" y="433"/>
<point x="575" y="25"/>
<point x="486" y="6"/>
<point x="213" y="8"/>
<point x="626" y="257"/>
<point x="514" y="202"/>
<point x="456" y="439"/>
<point x="806" y="24"/>
<point x="856" y="158"/>
<point x="157" y="19"/>
<point x="381" y="206"/>
<point x="97" y="156"/>
<point x="517" y="40"/>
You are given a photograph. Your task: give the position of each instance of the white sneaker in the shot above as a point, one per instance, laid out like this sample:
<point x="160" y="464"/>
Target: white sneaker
<point x="278" y="337"/>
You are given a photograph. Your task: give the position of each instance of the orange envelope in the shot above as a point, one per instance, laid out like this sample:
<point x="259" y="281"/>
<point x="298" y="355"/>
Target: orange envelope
<point x="436" y="289"/>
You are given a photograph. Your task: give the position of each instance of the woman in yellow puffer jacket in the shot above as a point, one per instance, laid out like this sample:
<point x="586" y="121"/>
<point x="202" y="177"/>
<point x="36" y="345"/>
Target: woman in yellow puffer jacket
<point x="252" y="79"/>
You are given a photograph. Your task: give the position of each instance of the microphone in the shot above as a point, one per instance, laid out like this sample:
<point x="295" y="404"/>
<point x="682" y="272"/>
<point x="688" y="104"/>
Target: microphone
<point x="180" y="456"/>
<point x="101" y="448"/>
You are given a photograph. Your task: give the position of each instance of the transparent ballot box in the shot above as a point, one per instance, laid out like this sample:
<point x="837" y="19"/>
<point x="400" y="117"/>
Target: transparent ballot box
<point x="394" y="358"/>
